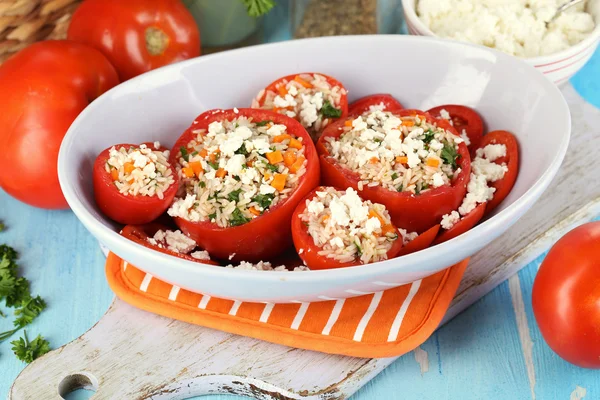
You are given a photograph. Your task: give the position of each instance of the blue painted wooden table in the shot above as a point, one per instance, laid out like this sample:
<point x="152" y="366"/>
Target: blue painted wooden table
<point x="493" y="350"/>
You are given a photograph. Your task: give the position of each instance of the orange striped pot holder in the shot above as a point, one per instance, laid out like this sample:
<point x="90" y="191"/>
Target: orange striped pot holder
<point x="383" y="324"/>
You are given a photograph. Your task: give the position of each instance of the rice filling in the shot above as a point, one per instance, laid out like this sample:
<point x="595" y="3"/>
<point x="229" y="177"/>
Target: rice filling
<point x="140" y="170"/>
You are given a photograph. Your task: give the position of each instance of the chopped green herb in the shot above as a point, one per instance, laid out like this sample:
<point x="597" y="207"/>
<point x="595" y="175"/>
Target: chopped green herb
<point x="214" y="164"/>
<point x="263" y="123"/>
<point x="273" y="148"/>
<point x="237" y="218"/>
<point x="237" y="125"/>
<point x="184" y="153"/>
<point x="358" y="248"/>
<point x="394" y="176"/>
<point x="28" y="351"/>
<point x="377" y="140"/>
<point x="329" y="111"/>
<point x="194" y="153"/>
<point x="202" y="184"/>
<point x="234" y="195"/>
<point x="242" y="150"/>
<point x="400" y="187"/>
<point x="425" y="186"/>
<point x="428" y="136"/>
<point x="237" y="178"/>
<point x="449" y="155"/>
<point x="417" y="190"/>
<point x="212" y="216"/>
<point x="272" y="168"/>
<point x="264" y="200"/>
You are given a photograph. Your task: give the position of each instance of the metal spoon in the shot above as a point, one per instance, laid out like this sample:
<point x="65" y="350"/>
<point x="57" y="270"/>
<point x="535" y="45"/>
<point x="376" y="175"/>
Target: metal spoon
<point x="562" y="8"/>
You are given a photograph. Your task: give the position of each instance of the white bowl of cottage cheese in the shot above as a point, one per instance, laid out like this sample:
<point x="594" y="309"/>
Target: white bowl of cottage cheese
<point x="516" y="27"/>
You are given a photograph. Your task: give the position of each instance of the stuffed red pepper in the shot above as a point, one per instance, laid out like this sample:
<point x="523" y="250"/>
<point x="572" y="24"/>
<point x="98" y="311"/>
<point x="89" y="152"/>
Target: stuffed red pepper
<point x="173" y="242"/>
<point x="415" y="165"/>
<point x="335" y="228"/>
<point x="134" y="184"/>
<point x="242" y="172"/>
<point x="313" y="99"/>
<point x="373" y="102"/>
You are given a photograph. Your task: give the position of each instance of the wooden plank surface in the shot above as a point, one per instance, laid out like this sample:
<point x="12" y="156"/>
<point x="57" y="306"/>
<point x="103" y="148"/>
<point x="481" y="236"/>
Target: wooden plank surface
<point x="132" y="354"/>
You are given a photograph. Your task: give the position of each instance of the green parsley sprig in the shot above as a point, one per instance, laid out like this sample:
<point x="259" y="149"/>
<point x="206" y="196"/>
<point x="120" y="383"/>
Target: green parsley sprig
<point x="256" y="8"/>
<point x="28" y="351"/>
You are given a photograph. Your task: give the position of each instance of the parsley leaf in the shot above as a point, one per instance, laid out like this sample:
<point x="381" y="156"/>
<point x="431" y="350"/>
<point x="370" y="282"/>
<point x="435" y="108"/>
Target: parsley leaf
<point x="214" y="164"/>
<point x="29" y="311"/>
<point x="400" y="187"/>
<point x="212" y="216"/>
<point x="202" y="184"/>
<point x="237" y="218"/>
<point x="264" y="200"/>
<point x="28" y="351"/>
<point x="242" y="150"/>
<point x="394" y="176"/>
<point x="449" y="155"/>
<point x="234" y="195"/>
<point x="329" y="111"/>
<point x="20" y="293"/>
<point x="263" y="123"/>
<point x="184" y="153"/>
<point x="428" y="136"/>
<point x="256" y="8"/>
<point x="272" y="168"/>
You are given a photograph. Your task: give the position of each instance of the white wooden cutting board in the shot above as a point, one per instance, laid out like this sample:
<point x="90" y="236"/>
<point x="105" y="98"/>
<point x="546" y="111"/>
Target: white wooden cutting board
<point x="132" y="354"/>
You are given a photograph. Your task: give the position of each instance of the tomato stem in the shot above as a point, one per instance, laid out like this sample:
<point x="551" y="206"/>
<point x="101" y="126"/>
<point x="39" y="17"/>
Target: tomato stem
<point x="157" y="41"/>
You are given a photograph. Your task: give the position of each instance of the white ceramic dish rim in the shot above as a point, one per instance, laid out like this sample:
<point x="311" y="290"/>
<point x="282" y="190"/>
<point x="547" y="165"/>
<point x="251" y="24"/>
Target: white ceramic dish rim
<point x="109" y="236"/>
<point x="540" y="61"/>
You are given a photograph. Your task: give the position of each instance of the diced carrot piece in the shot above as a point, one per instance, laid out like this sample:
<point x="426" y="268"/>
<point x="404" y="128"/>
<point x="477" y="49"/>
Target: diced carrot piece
<point x="203" y="153"/>
<point x="301" y="81"/>
<point x="281" y="138"/>
<point x="279" y="181"/>
<point x="374" y="160"/>
<point x="408" y="122"/>
<point x="433" y="162"/>
<point x="282" y="90"/>
<point x="375" y="214"/>
<point x="254" y="211"/>
<point x="250" y="163"/>
<point x="401" y="159"/>
<point x="114" y="174"/>
<point x="388" y="228"/>
<point x="289" y="157"/>
<point x="213" y="156"/>
<point x="297" y="164"/>
<point x="295" y="144"/>
<point x="267" y="176"/>
<point x="276" y="109"/>
<point x="325" y="218"/>
<point x="196" y="167"/>
<point x="221" y="173"/>
<point x="275" y="157"/>
<point x="128" y="167"/>
<point x="348" y="123"/>
<point x="188" y="172"/>
<point x="131" y="181"/>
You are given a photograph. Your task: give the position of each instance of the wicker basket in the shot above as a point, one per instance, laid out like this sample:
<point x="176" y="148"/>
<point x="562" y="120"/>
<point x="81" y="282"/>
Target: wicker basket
<point x="23" y="22"/>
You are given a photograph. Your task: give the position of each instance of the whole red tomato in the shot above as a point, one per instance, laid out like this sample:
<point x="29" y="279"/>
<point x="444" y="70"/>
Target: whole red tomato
<point x="566" y="296"/>
<point x="137" y="35"/>
<point x="44" y="87"/>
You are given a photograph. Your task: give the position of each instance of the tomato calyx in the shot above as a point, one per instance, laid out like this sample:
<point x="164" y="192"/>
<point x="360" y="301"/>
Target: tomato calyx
<point x="157" y="41"/>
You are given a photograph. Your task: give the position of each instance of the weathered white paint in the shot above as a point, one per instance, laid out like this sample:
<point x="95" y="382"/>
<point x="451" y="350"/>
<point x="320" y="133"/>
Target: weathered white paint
<point x="514" y="287"/>
<point x="578" y="394"/>
<point x="181" y="360"/>
<point x="422" y="358"/>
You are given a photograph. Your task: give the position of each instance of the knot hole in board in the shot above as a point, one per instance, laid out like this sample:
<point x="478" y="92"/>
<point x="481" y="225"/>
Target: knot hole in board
<point x="78" y="386"/>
